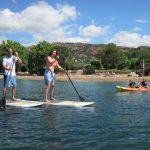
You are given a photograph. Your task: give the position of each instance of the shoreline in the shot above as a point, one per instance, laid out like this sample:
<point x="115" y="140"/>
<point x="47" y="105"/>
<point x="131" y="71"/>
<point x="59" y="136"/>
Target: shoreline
<point x="98" y="78"/>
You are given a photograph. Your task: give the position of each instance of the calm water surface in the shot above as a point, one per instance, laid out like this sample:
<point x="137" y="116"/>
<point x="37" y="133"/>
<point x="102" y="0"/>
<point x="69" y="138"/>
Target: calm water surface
<point x="117" y="121"/>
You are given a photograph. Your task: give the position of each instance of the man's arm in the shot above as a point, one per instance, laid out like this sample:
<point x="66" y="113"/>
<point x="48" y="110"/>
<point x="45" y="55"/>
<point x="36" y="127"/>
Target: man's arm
<point x="4" y="64"/>
<point x="6" y="68"/>
<point x="18" y="58"/>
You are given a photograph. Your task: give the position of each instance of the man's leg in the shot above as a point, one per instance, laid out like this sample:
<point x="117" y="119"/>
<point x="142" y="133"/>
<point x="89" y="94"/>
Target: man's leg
<point x="14" y="83"/>
<point x="14" y="93"/>
<point x="46" y="92"/>
<point x="5" y="85"/>
<point x="4" y="91"/>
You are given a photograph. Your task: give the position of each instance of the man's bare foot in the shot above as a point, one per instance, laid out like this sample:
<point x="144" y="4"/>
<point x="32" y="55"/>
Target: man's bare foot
<point x="46" y="100"/>
<point x="52" y="99"/>
<point x="14" y="99"/>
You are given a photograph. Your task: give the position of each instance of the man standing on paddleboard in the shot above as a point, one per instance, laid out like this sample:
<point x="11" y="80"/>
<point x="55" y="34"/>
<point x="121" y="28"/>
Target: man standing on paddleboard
<point x="9" y="66"/>
<point x="49" y="74"/>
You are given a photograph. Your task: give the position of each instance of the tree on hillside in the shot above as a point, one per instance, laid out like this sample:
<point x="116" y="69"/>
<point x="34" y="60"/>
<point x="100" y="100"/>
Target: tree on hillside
<point x="136" y="58"/>
<point x="112" y="57"/>
<point x="89" y="69"/>
<point x="97" y="63"/>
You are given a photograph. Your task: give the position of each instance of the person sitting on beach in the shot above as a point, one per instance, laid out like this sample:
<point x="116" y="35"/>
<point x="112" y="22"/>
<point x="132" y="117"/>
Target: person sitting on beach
<point x="131" y="84"/>
<point x="143" y="83"/>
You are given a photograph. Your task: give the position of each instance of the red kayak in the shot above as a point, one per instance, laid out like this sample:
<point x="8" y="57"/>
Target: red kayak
<point x="141" y="89"/>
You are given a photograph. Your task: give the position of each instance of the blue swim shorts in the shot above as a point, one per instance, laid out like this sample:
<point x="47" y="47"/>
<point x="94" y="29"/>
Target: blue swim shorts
<point x="10" y="81"/>
<point x="49" y="77"/>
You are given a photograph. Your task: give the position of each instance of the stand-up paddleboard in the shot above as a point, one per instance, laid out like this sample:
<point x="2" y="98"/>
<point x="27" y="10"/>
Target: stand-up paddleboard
<point x="30" y="103"/>
<point x="23" y="103"/>
<point x="70" y="103"/>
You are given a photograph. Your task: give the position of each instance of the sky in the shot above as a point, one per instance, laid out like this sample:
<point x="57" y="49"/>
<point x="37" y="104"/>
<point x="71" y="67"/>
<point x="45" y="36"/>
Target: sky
<point x="122" y="22"/>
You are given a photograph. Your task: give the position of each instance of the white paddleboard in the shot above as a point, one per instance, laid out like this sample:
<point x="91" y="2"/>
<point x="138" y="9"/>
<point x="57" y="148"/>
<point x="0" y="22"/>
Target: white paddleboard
<point x="31" y="103"/>
<point x="70" y="103"/>
<point x="23" y="103"/>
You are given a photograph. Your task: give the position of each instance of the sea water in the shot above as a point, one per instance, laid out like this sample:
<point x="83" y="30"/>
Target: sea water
<point x="117" y="120"/>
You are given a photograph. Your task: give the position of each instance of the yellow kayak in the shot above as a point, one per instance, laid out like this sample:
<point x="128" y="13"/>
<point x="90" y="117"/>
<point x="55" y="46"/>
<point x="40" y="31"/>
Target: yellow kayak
<point x="121" y="88"/>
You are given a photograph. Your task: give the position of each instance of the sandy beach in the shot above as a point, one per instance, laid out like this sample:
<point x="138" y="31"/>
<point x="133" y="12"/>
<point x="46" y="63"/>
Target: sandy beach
<point x="99" y="77"/>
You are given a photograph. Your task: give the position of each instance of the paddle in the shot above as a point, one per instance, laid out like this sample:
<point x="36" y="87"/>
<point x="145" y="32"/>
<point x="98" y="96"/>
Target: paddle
<point x="80" y="97"/>
<point x="3" y="100"/>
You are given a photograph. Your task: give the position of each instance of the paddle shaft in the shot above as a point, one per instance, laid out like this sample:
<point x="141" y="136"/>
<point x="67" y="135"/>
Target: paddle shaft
<point x="81" y="98"/>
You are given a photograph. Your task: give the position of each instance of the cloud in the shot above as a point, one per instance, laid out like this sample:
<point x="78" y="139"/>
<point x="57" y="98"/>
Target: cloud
<point x="136" y="29"/>
<point x="141" y="21"/>
<point x="93" y="31"/>
<point x="130" y="39"/>
<point x="67" y="10"/>
<point x="42" y="21"/>
<point x="59" y="35"/>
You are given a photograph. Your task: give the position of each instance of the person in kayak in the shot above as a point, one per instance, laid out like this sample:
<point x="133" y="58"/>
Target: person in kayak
<point x="131" y="84"/>
<point x="49" y="75"/>
<point x="143" y="83"/>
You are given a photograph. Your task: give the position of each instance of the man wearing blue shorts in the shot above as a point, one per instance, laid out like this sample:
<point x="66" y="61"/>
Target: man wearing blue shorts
<point x="9" y="66"/>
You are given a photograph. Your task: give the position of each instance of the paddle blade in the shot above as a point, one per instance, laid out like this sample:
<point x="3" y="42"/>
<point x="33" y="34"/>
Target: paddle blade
<point x="82" y="99"/>
<point x="3" y="103"/>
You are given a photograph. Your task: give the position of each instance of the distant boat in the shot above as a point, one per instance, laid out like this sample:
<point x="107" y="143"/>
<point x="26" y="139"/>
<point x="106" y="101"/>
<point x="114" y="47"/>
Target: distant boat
<point x="141" y="89"/>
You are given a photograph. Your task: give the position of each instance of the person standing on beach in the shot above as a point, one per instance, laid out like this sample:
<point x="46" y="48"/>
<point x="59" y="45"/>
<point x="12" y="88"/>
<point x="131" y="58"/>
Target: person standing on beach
<point x="49" y="74"/>
<point x="9" y="66"/>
